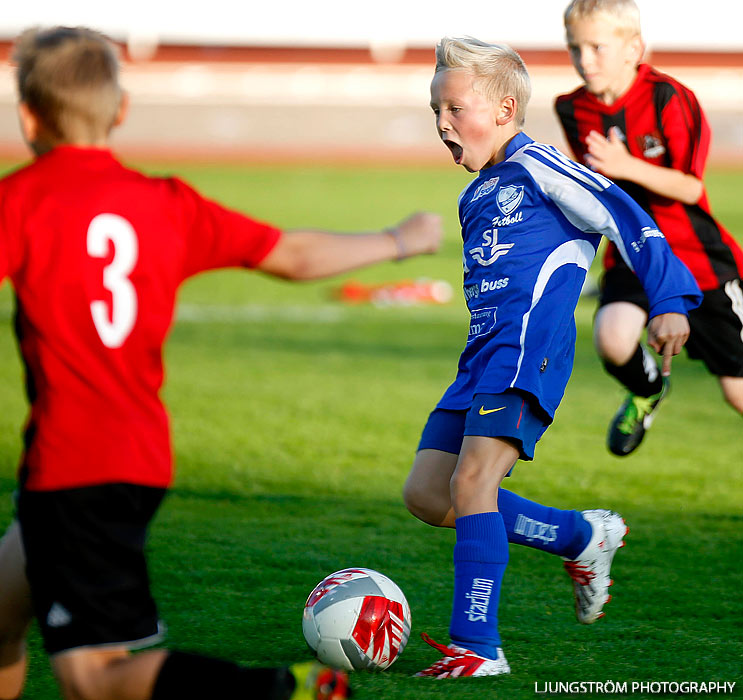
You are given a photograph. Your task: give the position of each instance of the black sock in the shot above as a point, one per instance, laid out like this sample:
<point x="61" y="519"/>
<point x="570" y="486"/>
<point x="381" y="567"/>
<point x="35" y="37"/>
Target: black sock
<point x="193" y="677"/>
<point x="640" y="375"/>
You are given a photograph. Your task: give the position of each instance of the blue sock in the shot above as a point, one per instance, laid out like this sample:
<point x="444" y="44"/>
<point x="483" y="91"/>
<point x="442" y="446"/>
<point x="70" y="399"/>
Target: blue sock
<point x="480" y="559"/>
<point x="562" y="532"/>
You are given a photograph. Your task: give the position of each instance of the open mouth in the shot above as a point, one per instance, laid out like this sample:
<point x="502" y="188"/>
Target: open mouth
<point x="456" y="150"/>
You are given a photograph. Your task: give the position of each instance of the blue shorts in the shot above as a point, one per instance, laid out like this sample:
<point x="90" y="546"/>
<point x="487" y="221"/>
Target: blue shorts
<point x="509" y="415"/>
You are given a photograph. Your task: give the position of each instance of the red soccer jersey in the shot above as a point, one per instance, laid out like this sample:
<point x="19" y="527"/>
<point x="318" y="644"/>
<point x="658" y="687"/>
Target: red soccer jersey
<point x="663" y="124"/>
<point x="96" y="252"/>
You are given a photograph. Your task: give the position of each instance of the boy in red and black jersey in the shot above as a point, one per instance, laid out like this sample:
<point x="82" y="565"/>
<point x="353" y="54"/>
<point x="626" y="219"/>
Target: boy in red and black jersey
<point x="647" y="131"/>
<point x="96" y="253"/>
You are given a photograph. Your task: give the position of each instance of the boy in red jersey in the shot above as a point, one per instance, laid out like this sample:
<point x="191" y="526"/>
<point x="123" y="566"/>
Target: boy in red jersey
<point x="96" y="253"/>
<point x="647" y="131"/>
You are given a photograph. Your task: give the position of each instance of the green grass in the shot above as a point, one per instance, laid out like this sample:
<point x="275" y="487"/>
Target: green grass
<point x="295" y="422"/>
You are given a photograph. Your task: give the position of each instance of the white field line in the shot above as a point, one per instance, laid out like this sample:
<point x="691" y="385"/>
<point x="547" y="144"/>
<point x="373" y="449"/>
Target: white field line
<point x="202" y="313"/>
<point x="214" y="313"/>
<point x="324" y="313"/>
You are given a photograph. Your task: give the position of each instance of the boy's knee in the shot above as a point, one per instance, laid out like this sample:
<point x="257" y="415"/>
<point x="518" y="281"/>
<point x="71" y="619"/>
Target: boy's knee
<point x="12" y="667"/>
<point x="613" y="346"/>
<point x="12" y="647"/>
<point x="470" y="481"/>
<point x="81" y="686"/>
<point x="83" y="674"/>
<point x="468" y="476"/>
<point x="13" y="639"/>
<point x="481" y="471"/>
<point x="617" y="330"/>
<point x="419" y="503"/>
<point x="732" y="391"/>
<point x="414" y="500"/>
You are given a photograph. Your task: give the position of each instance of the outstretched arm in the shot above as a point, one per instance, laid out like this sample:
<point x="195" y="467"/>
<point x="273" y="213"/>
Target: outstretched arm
<point x="308" y="255"/>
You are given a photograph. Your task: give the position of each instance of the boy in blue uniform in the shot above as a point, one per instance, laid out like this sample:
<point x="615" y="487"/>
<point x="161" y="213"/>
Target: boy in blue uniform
<point x="531" y="223"/>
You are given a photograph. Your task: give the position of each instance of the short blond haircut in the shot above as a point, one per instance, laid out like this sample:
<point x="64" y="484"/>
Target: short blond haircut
<point x="499" y="71"/>
<point x="69" y="78"/>
<point x="623" y="14"/>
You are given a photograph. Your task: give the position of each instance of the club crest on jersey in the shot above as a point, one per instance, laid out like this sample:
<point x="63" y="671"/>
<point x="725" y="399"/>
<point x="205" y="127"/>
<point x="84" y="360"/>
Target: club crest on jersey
<point x="485" y="188"/>
<point x="509" y="197"/>
<point x="652" y="147"/>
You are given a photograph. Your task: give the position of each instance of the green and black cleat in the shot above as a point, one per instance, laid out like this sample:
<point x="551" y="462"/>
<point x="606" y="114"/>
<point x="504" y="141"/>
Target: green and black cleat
<point x="633" y="419"/>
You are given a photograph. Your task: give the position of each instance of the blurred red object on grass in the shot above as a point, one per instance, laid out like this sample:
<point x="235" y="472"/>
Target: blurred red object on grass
<point x="396" y="293"/>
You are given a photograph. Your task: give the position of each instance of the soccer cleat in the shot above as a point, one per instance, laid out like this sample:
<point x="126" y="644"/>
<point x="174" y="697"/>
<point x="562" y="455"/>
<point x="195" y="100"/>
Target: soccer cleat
<point x="634" y="417"/>
<point x="458" y="662"/>
<point x="317" y="682"/>
<point x="590" y="571"/>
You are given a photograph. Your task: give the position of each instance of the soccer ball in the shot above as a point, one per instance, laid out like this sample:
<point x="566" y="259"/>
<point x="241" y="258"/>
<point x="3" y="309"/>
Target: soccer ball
<point x="357" y="619"/>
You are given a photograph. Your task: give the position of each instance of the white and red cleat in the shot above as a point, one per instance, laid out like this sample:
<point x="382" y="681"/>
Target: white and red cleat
<point x="590" y="571"/>
<point x="458" y="662"/>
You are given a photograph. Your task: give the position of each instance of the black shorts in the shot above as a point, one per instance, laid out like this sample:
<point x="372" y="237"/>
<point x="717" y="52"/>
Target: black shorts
<point x="86" y="565"/>
<point x="716" y="324"/>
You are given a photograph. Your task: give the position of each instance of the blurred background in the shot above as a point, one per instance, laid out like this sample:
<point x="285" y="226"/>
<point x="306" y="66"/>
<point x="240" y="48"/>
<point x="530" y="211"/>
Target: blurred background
<point x="330" y="81"/>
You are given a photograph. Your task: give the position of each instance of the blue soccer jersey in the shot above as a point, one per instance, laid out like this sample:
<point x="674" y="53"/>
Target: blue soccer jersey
<point x="531" y="226"/>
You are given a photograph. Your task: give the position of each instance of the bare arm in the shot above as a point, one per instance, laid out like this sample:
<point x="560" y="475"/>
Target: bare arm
<point x="308" y="255"/>
<point x="611" y="158"/>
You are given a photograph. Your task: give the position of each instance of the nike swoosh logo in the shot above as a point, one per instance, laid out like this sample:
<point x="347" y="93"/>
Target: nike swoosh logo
<point x="483" y="412"/>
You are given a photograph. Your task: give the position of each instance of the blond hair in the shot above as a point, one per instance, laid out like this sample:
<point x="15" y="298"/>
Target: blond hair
<point x="69" y="78"/>
<point x="624" y="14"/>
<point x="499" y="71"/>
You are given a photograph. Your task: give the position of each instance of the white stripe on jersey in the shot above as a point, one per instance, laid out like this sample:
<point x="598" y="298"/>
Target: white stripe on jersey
<point x="461" y="196"/>
<point x="579" y="205"/>
<point x="464" y="191"/>
<point x="570" y="167"/>
<point x="576" y="252"/>
<point x="733" y="290"/>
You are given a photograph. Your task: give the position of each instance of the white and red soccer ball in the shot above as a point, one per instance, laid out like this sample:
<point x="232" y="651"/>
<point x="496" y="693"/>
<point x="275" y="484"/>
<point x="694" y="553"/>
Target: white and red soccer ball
<point x="357" y="619"/>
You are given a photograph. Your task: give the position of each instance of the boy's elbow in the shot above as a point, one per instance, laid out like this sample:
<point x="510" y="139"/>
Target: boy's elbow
<point x="288" y="261"/>
<point x="300" y="271"/>
<point x="693" y="192"/>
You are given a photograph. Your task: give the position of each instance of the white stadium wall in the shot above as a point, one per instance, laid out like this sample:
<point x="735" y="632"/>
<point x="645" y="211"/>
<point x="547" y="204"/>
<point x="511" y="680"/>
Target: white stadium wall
<point x="320" y="80"/>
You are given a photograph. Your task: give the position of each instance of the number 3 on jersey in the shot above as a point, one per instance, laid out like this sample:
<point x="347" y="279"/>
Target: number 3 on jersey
<point x="104" y="228"/>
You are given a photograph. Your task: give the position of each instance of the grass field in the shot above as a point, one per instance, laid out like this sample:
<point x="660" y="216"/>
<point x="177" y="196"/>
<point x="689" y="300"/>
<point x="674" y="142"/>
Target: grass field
<point x="295" y="421"/>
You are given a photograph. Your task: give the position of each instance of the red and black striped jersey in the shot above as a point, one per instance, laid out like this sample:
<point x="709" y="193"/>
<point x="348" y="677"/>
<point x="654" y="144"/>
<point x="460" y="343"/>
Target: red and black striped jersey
<point x="663" y="124"/>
